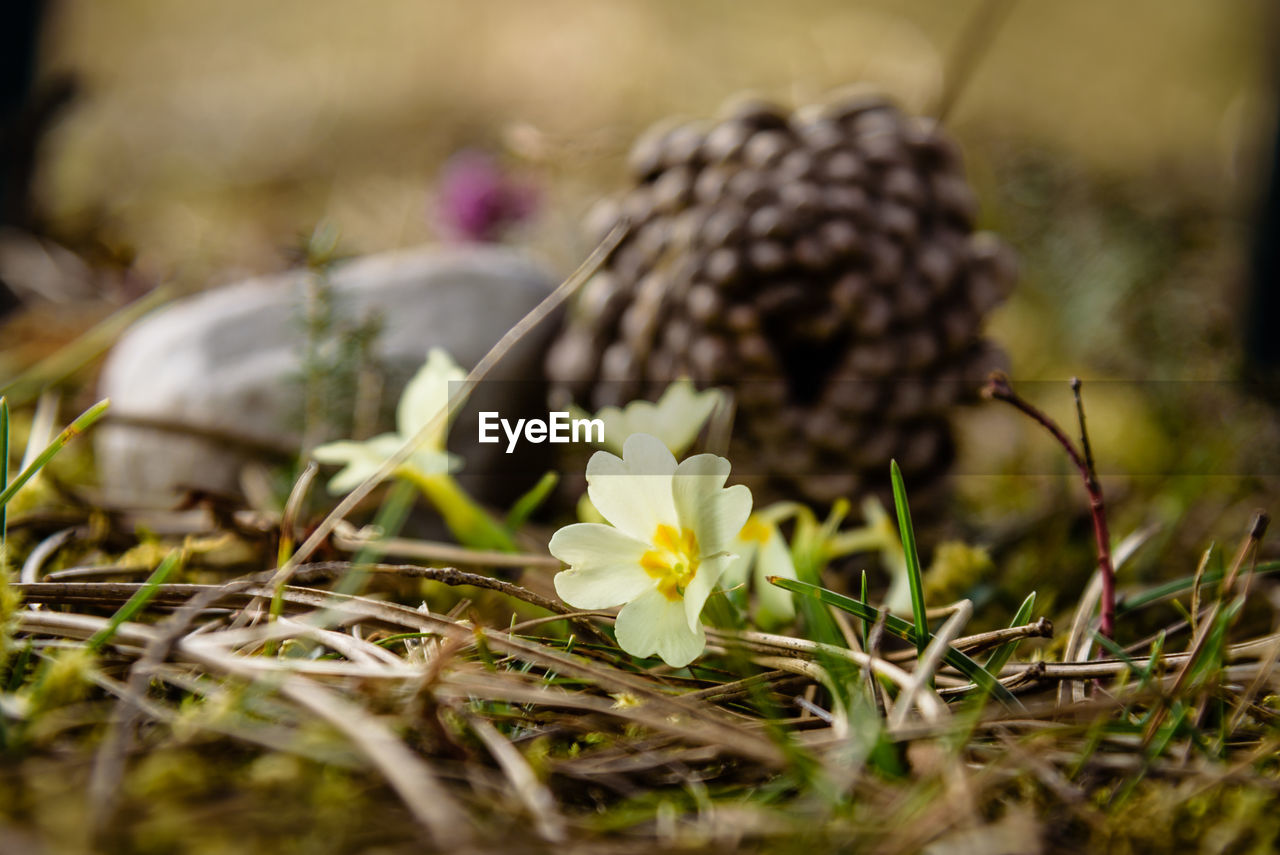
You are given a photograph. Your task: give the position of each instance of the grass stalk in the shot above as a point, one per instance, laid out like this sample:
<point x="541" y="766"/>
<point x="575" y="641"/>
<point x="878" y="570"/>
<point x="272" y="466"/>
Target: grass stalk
<point x="902" y="629"/>
<point x="137" y="602"/>
<point x="915" y="577"/>
<point x="1000" y="657"/>
<point x="85" y="421"/>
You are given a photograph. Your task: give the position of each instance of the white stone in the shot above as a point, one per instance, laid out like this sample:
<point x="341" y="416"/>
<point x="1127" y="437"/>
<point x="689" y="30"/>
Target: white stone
<point x="228" y="361"/>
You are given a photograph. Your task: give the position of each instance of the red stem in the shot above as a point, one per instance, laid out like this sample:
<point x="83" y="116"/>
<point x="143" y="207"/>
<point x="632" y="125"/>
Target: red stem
<point x="999" y="389"/>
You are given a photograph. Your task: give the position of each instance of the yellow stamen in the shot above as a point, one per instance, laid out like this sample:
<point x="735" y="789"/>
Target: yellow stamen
<point x="673" y="561"/>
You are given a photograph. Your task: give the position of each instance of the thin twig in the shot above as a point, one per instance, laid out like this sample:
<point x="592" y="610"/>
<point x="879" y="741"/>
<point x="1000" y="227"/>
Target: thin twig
<point x="998" y="388"/>
<point x="1084" y="431"/>
<point x="971" y="47"/>
<point x="970" y="644"/>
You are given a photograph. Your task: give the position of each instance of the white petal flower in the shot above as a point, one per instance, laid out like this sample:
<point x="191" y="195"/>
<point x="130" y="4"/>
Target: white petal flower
<point x="426" y="395"/>
<point x="675" y="419"/>
<point x="760" y="546"/>
<point x="670" y="530"/>
<point x="361" y="459"/>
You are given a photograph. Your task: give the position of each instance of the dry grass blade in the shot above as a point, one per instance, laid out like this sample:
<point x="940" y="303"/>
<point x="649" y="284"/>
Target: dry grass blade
<point x="930" y="704"/>
<point x="1079" y="641"/>
<point x="44" y="550"/>
<point x="839" y="716"/>
<point x="422" y="793"/>
<point x="1266" y="673"/>
<point x="405" y="771"/>
<point x="127" y="635"/>
<point x="289" y="518"/>
<point x="736" y="689"/>
<point x="922" y="677"/>
<point x="352" y="648"/>
<point x="306" y="574"/>
<point x="309" y="574"/>
<point x="536" y="797"/>
<point x="665" y="712"/>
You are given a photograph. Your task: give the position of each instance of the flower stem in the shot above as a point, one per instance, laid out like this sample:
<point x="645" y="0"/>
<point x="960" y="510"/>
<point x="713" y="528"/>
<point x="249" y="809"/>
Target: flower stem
<point x="469" y="522"/>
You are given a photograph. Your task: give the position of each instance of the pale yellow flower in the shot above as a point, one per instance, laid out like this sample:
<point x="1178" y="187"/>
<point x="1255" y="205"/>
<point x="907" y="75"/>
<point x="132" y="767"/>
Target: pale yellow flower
<point x="675" y="419"/>
<point x="761" y="546"/>
<point x="425" y="396"/>
<point x="668" y="541"/>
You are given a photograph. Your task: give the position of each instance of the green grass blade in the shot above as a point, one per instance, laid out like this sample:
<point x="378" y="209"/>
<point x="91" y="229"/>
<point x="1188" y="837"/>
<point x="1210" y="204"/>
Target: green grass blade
<point x="70" y="358"/>
<point x="531" y="501"/>
<point x="898" y="627"/>
<point x="1000" y="657"/>
<point x="914" y="576"/>
<point x="390" y="520"/>
<point x="1149" y="671"/>
<point x="137" y="602"/>
<point x="85" y="421"/>
<point x="1119" y="653"/>
<point x="866" y="626"/>
<point x="1182" y="586"/>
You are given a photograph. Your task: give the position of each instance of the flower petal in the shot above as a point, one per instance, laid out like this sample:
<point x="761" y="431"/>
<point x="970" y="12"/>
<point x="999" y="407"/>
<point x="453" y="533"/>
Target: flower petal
<point x="634" y="492"/>
<point x="604" y="566"/>
<point x="714" y="513"/>
<point x="775" y="606"/>
<point x="620" y="424"/>
<point x="675" y="419"/>
<point x="653" y="624"/>
<point x="427" y="394"/>
<point x="735" y="572"/>
<point x="362" y="459"/>
<point x="701" y="585"/>
<point x="430" y="462"/>
<point x="338" y="452"/>
<point x="681" y="412"/>
<point x="384" y="445"/>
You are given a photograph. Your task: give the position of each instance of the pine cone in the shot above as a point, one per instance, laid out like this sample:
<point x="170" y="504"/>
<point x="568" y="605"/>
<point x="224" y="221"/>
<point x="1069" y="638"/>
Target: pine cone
<point x="821" y="264"/>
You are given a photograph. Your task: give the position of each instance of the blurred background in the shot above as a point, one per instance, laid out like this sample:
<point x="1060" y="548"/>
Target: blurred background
<point x="1123" y="150"/>
<point x="205" y="136"/>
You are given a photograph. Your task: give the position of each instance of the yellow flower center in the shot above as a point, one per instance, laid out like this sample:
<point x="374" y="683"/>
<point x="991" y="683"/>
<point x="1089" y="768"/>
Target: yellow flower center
<point x="673" y="561"/>
<point x="755" y="530"/>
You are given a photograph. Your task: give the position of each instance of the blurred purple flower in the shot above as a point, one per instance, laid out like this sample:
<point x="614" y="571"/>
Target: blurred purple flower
<point x="477" y="200"/>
